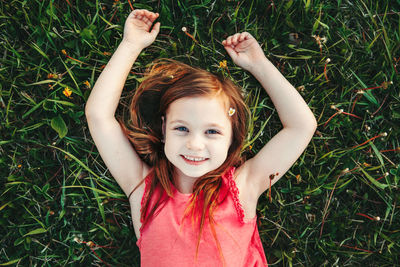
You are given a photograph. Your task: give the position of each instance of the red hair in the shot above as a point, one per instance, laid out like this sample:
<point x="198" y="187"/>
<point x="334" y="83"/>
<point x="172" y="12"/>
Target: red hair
<point x="167" y="80"/>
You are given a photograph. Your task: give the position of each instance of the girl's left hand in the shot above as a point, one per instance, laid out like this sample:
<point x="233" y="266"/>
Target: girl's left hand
<point x="244" y="50"/>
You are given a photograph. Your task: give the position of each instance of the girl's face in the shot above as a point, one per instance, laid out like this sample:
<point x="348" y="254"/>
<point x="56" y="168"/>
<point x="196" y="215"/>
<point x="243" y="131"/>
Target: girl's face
<point x="197" y="133"/>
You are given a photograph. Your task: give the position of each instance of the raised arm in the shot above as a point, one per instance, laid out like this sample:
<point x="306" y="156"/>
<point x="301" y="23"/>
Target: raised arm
<point x="105" y="95"/>
<point x="299" y="123"/>
<point x="113" y="146"/>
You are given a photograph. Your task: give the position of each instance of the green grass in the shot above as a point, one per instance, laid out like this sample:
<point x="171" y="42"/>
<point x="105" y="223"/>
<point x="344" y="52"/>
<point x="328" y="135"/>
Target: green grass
<point x="55" y="187"/>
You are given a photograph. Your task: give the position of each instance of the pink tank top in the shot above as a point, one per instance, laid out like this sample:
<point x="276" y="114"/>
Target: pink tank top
<point x="163" y="243"/>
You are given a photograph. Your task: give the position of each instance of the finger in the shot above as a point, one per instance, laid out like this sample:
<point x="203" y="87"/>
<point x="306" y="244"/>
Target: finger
<point x="146" y="14"/>
<point x="156" y="29"/>
<point x="231" y="52"/>
<point x="137" y="12"/>
<point x="153" y="16"/>
<point x="242" y="36"/>
<point x="248" y="36"/>
<point x="147" y="21"/>
<point x="225" y="42"/>
<point x="229" y="40"/>
<point x="235" y="38"/>
<point x="150" y="15"/>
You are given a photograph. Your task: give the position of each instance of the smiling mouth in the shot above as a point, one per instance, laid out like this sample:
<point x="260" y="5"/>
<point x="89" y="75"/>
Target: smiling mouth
<point x="194" y="160"/>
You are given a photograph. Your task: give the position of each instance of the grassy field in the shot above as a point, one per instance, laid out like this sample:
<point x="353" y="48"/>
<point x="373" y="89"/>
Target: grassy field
<point x="338" y="205"/>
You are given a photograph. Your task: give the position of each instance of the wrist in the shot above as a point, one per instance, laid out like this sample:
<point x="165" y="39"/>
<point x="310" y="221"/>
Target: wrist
<point x="259" y="66"/>
<point x="131" y="48"/>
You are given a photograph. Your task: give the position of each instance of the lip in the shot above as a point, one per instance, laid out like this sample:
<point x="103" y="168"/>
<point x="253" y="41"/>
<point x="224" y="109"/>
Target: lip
<point x="191" y="162"/>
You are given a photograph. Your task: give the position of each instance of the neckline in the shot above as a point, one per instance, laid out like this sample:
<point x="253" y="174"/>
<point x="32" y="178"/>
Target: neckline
<point x="179" y="194"/>
<point x="184" y="196"/>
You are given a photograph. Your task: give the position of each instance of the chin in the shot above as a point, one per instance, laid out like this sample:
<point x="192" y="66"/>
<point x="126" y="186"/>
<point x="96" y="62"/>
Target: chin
<point x="193" y="173"/>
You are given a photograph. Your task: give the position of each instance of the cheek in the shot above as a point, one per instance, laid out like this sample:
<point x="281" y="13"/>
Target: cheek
<point x="222" y="146"/>
<point x="171" y="144"/>
<point x="168" y="151"/>
<point x="171" y="138"/>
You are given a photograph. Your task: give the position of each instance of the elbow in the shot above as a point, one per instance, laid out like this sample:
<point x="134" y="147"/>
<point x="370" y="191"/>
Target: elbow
<point x="89" y="108"/>
<point x="89" y="112"/>
<point x="96" y="114"/>
<point x="313" y="125"/>
<point x="309" y="125"/>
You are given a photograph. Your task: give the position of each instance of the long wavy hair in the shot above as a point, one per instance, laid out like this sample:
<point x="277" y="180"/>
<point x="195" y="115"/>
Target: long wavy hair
<point x="165" y="81"/>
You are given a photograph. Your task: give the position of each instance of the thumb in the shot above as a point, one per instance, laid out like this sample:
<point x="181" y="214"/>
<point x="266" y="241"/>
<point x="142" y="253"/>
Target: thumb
<point x="156" y="29"/>
<point x="232" y="53"/>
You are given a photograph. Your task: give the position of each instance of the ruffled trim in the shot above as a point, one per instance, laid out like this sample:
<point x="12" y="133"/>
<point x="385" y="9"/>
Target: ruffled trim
<point x="147" y="182"/>
<point x="235" y="194"/>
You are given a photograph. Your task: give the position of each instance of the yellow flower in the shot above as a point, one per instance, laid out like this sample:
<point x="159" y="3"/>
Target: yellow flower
<point x="298" y="178"/>
<point x="51" y="76"/>
<point x="87" y="84"/>
<point x="222" y="64"/>
<point x="19" y="165"/>
<point x="67" y="92"/>
<point x="64" y="52"/>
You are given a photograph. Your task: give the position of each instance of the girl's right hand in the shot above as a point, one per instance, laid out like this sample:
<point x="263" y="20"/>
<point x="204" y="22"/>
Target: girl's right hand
<point x="137" y="27"/>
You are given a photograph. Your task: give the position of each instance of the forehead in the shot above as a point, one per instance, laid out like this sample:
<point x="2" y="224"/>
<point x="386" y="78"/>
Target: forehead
<point x="199" y="109"/>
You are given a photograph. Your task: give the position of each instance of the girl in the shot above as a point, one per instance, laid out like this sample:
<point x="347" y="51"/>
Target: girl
<point x="193" y="198"/>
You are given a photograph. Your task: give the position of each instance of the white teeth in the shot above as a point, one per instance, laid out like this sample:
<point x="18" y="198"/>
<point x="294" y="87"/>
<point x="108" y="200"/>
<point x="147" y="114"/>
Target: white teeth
<point x="194" y="159"/>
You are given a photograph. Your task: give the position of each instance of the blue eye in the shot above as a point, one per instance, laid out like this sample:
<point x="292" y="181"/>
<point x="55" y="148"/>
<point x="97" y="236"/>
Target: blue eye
<point x="181" y="128"/>
<point x="212" y="132"/>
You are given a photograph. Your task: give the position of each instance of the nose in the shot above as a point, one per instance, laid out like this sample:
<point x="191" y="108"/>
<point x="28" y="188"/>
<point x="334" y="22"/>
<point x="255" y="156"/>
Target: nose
<point x="195" y="143"/>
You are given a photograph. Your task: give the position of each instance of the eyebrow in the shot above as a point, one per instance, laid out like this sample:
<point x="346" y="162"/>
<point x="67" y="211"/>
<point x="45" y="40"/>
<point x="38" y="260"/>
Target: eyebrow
<point x="210" y="124"/>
